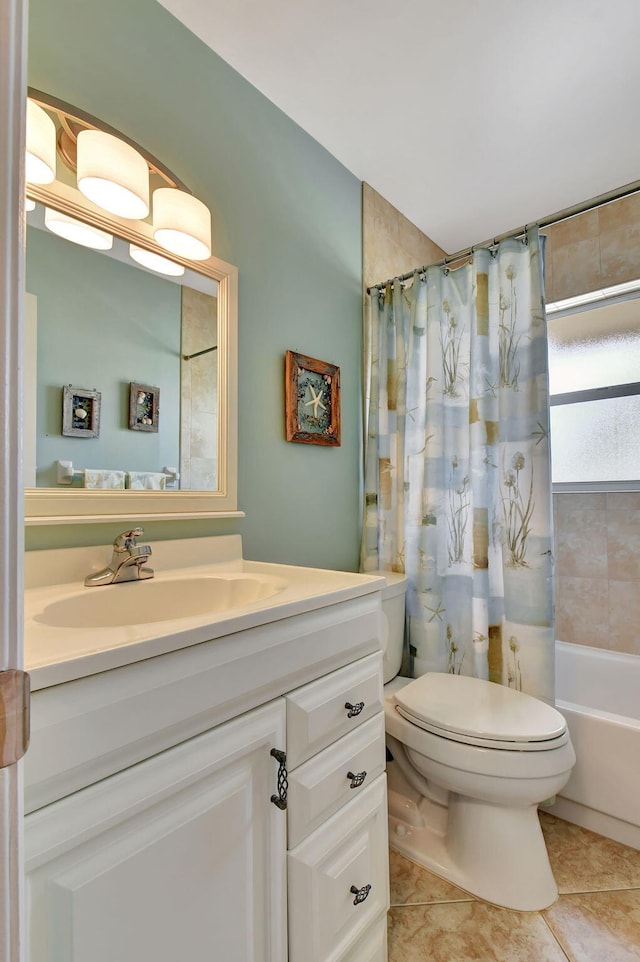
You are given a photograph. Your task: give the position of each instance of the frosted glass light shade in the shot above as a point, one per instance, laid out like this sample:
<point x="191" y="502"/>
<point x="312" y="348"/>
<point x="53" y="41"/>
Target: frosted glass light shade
<point x="29" y="204"/>
<point x="113" y="174"/>
<point x="77" y="231"/>
<point x="154" y="262"/>
<point x="181" y="223"/>
<point x="40" y="163"/>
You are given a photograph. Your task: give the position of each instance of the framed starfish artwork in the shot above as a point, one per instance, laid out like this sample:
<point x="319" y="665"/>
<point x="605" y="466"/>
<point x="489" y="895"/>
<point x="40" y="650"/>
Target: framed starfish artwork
<point x="312" y="400"/>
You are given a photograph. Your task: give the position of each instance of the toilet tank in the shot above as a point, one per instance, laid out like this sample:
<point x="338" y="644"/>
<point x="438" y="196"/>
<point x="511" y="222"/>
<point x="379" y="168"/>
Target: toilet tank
<point x="393" y="610"/>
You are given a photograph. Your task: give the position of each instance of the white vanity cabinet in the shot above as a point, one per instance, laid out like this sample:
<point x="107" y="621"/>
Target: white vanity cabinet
<point x="152" y="831"/>
<point x="179" y="857"/>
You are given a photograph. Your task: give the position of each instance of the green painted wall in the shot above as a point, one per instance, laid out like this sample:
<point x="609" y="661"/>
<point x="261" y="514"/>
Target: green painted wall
<point x="102" y="324"/>
<point x="285" y="212"/>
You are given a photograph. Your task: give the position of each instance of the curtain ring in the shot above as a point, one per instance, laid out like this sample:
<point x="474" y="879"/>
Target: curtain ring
<point x="525" y="239"/>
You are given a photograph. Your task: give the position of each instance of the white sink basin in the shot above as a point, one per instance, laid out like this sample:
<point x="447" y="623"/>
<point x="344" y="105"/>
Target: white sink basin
<point x="146" y="602"/>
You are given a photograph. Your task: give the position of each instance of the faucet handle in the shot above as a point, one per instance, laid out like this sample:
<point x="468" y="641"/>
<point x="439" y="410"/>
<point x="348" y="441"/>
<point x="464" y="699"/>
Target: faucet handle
<point x="127" y="539"/>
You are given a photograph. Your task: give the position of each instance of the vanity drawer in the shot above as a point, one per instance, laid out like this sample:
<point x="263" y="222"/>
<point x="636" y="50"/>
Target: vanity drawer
<point x="326" y="709"/>
<point x="339" y="880"/>
<point x="333" y="777"/>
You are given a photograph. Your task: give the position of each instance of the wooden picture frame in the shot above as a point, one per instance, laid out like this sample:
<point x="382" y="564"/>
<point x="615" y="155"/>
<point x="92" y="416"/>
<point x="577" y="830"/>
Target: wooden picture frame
<point x="80" y="412"/>
<point x="144" y="407"/>
<point x="312" y="400"/>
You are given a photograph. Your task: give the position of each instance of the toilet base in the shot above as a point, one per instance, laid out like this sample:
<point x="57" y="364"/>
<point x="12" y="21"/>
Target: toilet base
<point x="493" y="852"/>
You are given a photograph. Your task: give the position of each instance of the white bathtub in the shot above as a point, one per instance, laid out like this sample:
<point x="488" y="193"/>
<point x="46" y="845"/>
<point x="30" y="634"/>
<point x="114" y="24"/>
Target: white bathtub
<point x="598" y="692"/>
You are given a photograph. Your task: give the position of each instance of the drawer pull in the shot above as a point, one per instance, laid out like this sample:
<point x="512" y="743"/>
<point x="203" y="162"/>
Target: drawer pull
<point x="360" y="894"/>
<point x="280" y="800"/>
<point x="353" y="710"/>
<point x="357" y="779"/>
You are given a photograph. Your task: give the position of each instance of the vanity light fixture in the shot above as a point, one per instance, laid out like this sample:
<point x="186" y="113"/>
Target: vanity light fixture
<point x="40" y="164"/>
<point x="29" y="204"/>
<point x="77" y="231"/>
<point x="154" y="262"/>
<point x="112" y="174"/>
<point x="181" y="223"/>
<point x="118" y="176"/>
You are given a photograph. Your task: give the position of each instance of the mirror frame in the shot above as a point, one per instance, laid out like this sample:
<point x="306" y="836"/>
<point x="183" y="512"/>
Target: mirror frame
<point x="49" y="506"/>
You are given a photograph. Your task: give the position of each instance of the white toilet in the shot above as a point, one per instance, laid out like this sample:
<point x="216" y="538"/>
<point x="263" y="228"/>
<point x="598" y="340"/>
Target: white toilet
<point x="471" y="761"/>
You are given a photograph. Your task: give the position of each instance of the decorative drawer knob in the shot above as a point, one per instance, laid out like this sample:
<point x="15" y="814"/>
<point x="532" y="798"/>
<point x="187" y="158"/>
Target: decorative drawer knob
<point x="356" y="779"/>
<point x="360" y="894"/>
<point x="353" y="710"/>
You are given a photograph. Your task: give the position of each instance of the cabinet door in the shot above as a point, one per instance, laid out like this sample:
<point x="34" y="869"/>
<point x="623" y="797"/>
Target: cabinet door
<point x="179" y="857"/>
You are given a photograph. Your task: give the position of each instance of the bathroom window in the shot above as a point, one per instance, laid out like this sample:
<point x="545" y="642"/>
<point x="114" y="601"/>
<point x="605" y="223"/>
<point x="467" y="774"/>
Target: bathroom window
<point x="594" y="366"/>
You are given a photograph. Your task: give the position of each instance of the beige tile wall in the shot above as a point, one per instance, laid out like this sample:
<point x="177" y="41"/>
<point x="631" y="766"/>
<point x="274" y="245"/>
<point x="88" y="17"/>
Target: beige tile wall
<point x="391" y="244"/>
<point x="199" y="393"/>
<point x="594" y="250"/>
<point x="597" y="550"/>
<point x="587" y="252"/>
<point x="597" y="536"/>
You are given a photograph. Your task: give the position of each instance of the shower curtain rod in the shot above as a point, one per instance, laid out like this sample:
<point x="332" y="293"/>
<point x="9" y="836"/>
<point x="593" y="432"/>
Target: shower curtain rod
<point x="556" y="218"/>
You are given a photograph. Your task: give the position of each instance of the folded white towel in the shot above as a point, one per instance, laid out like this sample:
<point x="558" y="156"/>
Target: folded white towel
<point x="146" y="480"/>
<point x="103" y="478"/>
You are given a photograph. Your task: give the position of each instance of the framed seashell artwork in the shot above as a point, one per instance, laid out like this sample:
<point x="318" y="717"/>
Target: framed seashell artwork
<point x="144" y="407"/>
<point x="312" y="400"/>
<point x="80" y="412"/>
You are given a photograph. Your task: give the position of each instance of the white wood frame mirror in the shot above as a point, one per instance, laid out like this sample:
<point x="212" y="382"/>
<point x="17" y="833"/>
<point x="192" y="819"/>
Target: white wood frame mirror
<point x="53" y="506"/>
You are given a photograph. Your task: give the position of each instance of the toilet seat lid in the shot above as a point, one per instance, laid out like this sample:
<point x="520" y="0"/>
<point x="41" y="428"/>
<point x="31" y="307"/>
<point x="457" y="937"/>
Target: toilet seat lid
<point x="473" y="709"/>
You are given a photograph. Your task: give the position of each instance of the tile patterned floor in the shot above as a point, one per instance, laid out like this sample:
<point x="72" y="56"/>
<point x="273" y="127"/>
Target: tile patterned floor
<point x="596" y="918"/>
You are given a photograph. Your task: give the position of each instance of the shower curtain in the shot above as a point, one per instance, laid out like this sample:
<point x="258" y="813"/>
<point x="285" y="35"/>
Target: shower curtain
<point x="457" y="473"/>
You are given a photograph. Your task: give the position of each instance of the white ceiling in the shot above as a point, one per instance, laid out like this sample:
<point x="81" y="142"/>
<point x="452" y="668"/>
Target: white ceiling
<point x="472" y="117"/>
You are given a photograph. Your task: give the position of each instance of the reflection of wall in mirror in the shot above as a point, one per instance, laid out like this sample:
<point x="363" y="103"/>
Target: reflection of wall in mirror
<point x="199" y="385"/>
<point x="102" y="324"/>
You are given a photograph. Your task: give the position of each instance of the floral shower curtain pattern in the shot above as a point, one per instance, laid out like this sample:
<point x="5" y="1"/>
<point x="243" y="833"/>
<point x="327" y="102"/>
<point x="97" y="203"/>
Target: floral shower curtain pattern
<point x="457" y="474"/>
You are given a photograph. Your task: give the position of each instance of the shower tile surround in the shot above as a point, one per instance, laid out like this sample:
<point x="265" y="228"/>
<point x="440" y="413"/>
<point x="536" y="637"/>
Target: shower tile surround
<point x="391" y="244"/>
<point x="199" y="392"/>
<point x="596" y="918"/>
<point x="597" y="536"/>
<point x="597" y="548"/>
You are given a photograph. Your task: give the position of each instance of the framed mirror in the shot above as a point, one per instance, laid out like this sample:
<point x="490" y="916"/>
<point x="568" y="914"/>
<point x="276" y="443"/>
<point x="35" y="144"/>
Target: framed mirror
<point x="130" y="368"/>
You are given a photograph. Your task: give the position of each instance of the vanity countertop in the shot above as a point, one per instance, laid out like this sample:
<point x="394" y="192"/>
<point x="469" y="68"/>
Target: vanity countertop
<point x="58" y="650"/>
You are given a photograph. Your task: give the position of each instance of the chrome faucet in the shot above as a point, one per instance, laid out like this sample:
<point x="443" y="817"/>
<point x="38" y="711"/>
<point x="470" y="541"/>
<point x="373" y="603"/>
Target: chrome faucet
<point x="127" y="562"/>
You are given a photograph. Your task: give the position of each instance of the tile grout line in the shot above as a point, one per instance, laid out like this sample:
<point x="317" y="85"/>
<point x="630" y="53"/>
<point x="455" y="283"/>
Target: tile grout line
<point x="555" y="937"/>
<point x="625" y="888"/>
<point x="471" y="898"/>
<point x="402" y="905"/>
